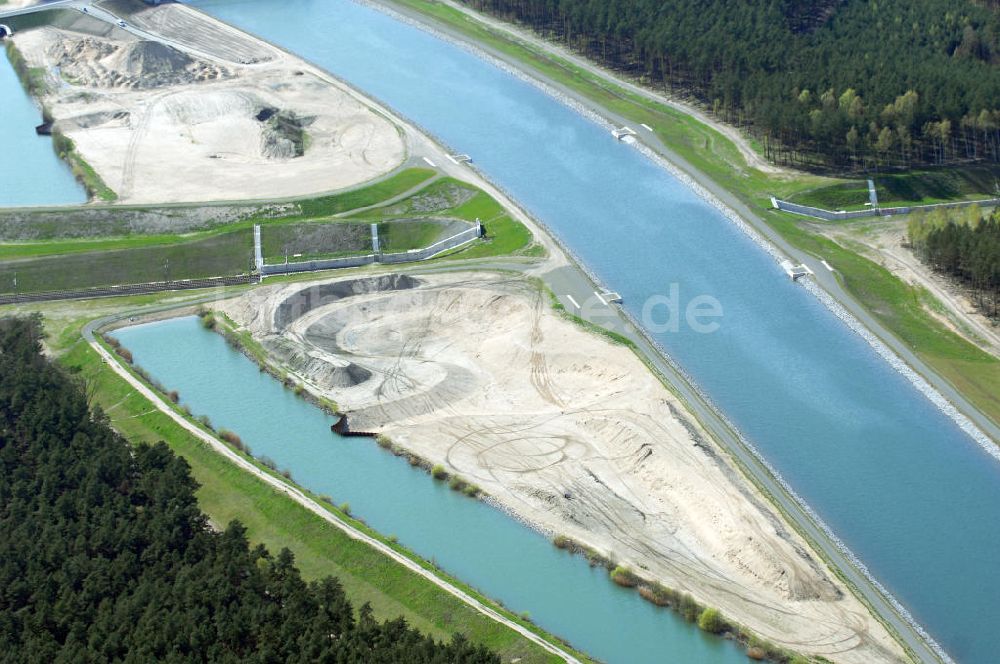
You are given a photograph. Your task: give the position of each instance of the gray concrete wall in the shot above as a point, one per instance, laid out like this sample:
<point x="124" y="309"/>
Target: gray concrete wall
<point x="831" y="215"/>
<point x="310" y="266"/>
<point x="456" y="240"/>
<point x="412" y="256"/>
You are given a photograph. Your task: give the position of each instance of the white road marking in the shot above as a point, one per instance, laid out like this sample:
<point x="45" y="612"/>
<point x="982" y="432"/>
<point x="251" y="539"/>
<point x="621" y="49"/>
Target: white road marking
<point x="647" y="126"/>
<point x="603" y="301"/>
<point x="430" y="163"/>
<point x="827" y="266"/>
<point x="452" y="159"/>
<point x="572" y="301"/>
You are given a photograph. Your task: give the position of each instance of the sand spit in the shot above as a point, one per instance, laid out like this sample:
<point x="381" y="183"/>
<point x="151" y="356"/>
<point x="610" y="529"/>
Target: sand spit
<point x="233" y="118"/>
<point x="565" y="430"/>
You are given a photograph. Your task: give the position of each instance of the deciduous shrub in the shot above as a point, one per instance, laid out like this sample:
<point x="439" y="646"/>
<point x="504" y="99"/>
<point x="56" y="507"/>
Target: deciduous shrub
<point x="711" y="621"/>
<point x="688" y="608"/>
<point x="658" y="594"/>
<point x="624" y="577"/>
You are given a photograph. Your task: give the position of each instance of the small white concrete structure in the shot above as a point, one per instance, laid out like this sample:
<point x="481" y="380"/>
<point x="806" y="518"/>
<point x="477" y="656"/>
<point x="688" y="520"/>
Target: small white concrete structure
<point x="608" y="296"/>
<point x="795" y="271"/>
<point x="623" y="132"/>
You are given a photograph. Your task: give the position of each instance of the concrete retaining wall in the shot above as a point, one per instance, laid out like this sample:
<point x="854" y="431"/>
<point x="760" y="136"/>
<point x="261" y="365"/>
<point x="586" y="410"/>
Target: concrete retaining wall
<point x="411" y="256"/>
<point x="456" y="240"/>
<point x="831" y="215"/>
<point x="309" y="266"/>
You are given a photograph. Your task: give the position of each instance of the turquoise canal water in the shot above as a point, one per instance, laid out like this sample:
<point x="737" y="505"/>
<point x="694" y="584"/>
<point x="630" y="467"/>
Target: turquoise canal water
<point x="30" y="171"/>
<point x="466" y="537"/>
<point x="912" y="495"/>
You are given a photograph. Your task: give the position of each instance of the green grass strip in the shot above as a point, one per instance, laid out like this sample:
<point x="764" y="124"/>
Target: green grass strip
<point x="277" y="521"/>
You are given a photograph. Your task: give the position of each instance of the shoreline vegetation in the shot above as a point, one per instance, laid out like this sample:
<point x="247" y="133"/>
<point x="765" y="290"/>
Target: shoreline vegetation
<point x="243" y="342"/>
<point x="713" y="160"/>
<point x="707" y="618"/>
<point x="622" y="576"/>
<point x="33" y="81"/>
<point x="720" y="166"/>
<point x="797" y="78"/>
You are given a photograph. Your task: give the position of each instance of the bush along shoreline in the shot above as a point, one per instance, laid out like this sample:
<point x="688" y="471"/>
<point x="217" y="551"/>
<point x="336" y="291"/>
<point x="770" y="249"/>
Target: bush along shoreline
<point x="33" y="81"/>
<point x="242" y="342"/>
<point x="708" y="619"/>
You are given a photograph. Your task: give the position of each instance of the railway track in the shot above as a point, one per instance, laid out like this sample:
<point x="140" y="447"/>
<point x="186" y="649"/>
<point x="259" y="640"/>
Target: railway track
<point x="126" y="289"/>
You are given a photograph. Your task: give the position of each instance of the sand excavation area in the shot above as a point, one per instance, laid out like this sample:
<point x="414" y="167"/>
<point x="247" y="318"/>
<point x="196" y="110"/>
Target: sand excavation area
<point x="572" y="433"/>
<point x="206" y="114"/>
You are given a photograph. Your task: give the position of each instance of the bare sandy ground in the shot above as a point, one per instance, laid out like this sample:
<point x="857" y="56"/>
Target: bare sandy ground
<point x="163" y="123"/>
<point x="572" y="433"/>
<point x="884" y="241"/>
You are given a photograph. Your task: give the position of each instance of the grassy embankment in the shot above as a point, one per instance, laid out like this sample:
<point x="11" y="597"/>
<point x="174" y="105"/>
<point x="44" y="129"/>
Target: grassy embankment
<point x="898" y="306"/>
<point x="416" y="221"/>
<point x="33" y="80"/>
<point x="918" y="187"/>
<point x="275" y="520"/>
<point x="448" y="198"/>
<point x="217" y="254"/>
